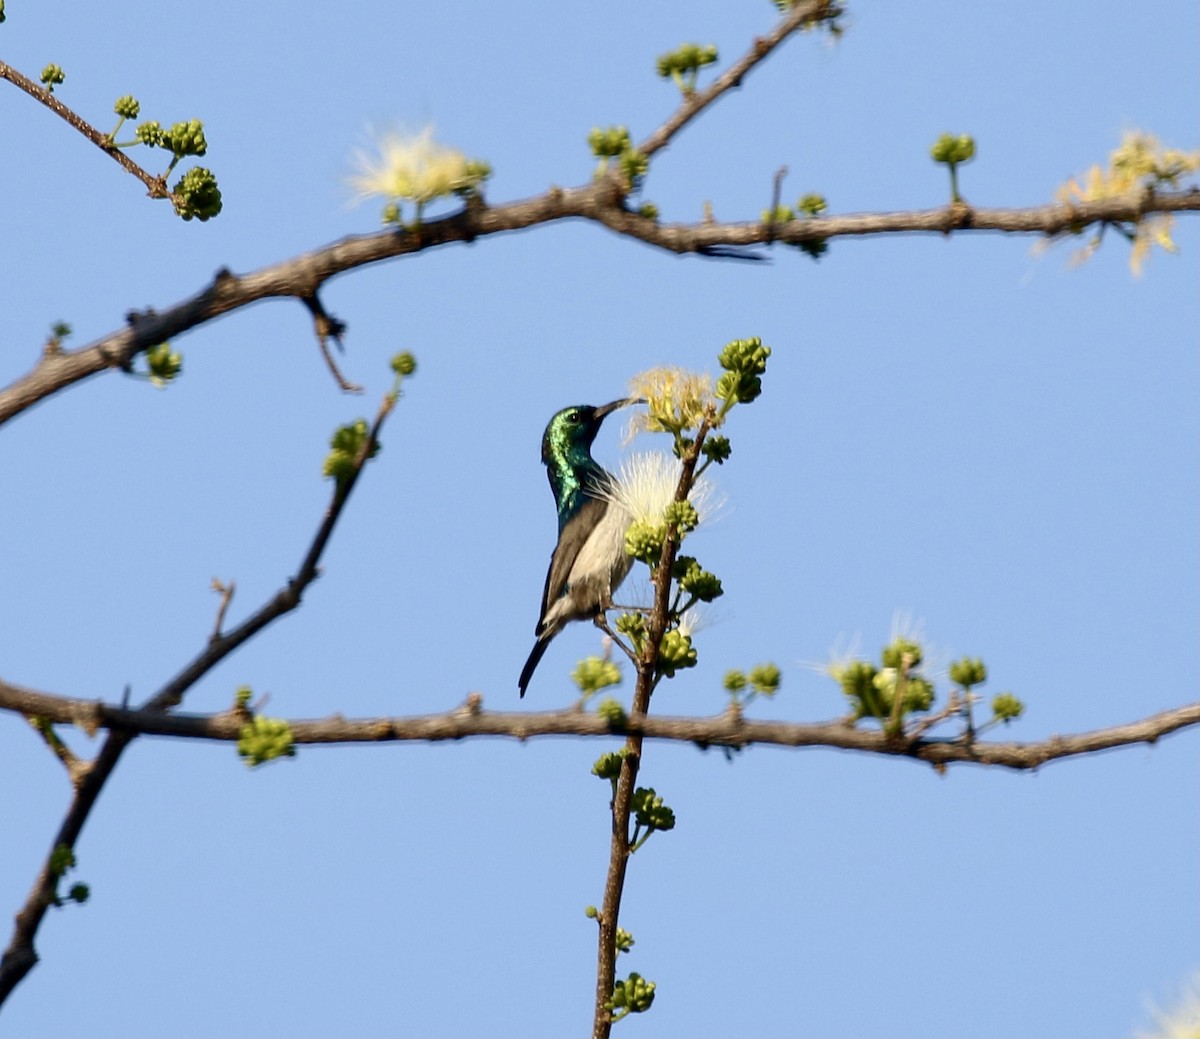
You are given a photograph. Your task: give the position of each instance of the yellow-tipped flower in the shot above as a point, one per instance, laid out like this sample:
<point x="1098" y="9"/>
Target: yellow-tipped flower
<point x="1139" y="164"/>
<point x="676" y="399"/>
<point x="401" y="167"/>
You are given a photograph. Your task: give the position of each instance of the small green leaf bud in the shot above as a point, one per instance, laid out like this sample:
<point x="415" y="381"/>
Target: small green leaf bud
<point x="649" y="210"/>
<point x="591" y="912"/>
<point x="241" y="698"/>
<point x="735" y="681"/>
<point x="60" y="330"/>
<point x="62" y="858"/>
<point x="79" y="893"/>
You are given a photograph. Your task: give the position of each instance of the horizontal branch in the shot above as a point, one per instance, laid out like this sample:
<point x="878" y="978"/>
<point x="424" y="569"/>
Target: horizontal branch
<point x="728" y="729"/>
<point x="302" y="276"/>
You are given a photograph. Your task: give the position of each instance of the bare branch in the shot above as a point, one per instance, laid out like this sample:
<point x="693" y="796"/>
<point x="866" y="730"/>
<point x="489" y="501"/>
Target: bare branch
<point x="20" y="957"/>
<point x="301" y="276"/>
<point x="156" y="186"/>
<point x="726" y="729"/>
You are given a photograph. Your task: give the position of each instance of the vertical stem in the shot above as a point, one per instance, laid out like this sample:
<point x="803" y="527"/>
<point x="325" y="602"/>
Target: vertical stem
<point x="619" y="849"/>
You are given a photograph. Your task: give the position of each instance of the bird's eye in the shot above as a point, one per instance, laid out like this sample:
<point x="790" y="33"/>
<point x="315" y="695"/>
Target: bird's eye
<point x="573" y="417"/>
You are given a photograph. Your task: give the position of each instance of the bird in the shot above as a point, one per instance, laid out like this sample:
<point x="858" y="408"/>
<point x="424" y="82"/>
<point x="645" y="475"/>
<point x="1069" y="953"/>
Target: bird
<point x="589" y="561"/>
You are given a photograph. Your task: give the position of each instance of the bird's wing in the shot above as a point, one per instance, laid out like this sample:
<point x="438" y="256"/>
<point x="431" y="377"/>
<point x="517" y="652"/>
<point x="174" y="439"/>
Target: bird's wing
<point x="570" y="541"/>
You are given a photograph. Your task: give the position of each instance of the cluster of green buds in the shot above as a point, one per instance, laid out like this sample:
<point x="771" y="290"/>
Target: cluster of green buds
<point x="650" y="815"/>
<point x="347" y="441"/>
<point x="683" y="65"/>
<point x="744" y="361"/>
<point x="52" y="76"/>
<point x="62" y="861"/>
<point x="163" y="364"/>
<point x="897" y="688"/>
<point x="614" y="143"/>
<point x="633" y="995"/>
<point x="593" y="674"/>
<point x="952" y="150"/>
<point x="195" y="196"/>
<point x="265" y="739"/>
<point x="762" y="680"/>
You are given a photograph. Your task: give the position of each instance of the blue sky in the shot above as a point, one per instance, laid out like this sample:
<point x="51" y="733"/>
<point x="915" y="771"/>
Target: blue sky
<point x="997" y="443"/>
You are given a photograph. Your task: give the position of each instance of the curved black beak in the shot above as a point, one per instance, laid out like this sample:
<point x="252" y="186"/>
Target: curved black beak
<point x="624" y="402"/>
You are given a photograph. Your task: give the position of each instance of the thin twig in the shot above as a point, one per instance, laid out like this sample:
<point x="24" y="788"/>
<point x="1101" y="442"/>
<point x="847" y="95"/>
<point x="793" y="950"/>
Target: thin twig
<point x="226" y="592"/>
<point x="156" y="186"/>
<point x="21" y="956"/>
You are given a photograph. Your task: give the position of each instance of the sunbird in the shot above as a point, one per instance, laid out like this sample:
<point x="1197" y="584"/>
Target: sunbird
<point x="589" y="562"/>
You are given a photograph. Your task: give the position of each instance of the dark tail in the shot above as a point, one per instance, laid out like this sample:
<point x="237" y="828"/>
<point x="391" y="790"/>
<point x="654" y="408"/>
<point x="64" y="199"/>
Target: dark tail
<point x="531" y="664"/>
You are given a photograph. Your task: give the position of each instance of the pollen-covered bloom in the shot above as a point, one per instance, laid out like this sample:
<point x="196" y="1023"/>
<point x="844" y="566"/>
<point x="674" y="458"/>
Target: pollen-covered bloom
<point x="402" y="167"/>
<point x="1141" y="163"/>
<point x="676" y="399"/>
<point x="645" y="485"/>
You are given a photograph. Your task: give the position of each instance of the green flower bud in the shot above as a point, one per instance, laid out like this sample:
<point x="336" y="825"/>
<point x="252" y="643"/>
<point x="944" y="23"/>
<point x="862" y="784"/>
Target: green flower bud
<point x="1007" y="708"/>
<point x="404" y="364"/>
<point x="591" y="912"/>
<point x="675" y="653"/>
<point x="624" y="940"/>
<point x="609" y="142"/>
<point x="185" y="138"/>
<point x="644" y="542"/>
<point x="649" y="810"/>
<point x="765" y="679"/>
<point x="127" y="107"/>
<point x="594" y="673"/>
<point x="682" y="515"/>
<point x="968" y="672"/>
<point x="241" y="698"/>
<point x="62" y="858"/>
<point x="812" y="204"/>
<point x="52" y="76"/>
<point x="608" y="765"/>
<point x="716" y="448"/>
<point x="649" y="210"/>
<point x="79" y="893"/>
<point x="345" y="444"/>
<point x="902" y="652"/>
<point x="264" y="739"/>
<point x="164" y="364"/>
<point x="150" y="133"/>
<point x="735" y="681"/>
<point x="781" y="215"/>
<point x="703" y="585"/>
<point x="198" y="195"/>
<point x="633" y="625"/>
<point x="634" y="164"/>
<point x="611" y="711"/>
<point x="952" y="150"/>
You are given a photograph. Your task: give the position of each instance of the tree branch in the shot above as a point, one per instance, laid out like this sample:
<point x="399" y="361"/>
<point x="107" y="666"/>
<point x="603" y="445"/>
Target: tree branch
<point x="728" y="729"/>
<point x="300" y="277"/>
<point x="88" y="778"/>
